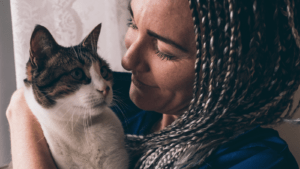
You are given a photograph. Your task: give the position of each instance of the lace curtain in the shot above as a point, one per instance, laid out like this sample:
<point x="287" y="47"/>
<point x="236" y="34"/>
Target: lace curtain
<point x="69" y="21"/>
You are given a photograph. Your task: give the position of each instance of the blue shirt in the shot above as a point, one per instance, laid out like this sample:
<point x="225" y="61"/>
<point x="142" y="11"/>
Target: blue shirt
<point x="259" y="148"/>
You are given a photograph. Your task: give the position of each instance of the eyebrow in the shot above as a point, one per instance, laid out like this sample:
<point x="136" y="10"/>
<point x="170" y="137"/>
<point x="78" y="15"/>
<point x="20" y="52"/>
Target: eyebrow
<point x="166" y="40"/>
<point x="155" y="35"/>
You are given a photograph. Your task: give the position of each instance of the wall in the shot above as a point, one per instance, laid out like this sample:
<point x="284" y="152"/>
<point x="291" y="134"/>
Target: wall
<point x="7" y="77"/>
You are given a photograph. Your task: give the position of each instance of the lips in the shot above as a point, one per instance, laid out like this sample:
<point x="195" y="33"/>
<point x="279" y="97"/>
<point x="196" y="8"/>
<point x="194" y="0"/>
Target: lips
<point x="139" y="83"/>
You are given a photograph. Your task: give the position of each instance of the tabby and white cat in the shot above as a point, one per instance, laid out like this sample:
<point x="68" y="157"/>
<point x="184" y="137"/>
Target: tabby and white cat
<point x="69" y="91"/>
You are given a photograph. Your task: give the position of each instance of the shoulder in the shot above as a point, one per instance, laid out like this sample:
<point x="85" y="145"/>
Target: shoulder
<point x="260" y="148"/>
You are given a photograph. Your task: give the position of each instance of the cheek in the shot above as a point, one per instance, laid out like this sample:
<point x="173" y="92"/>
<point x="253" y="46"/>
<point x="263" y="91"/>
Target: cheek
<point x="175" y="76"/>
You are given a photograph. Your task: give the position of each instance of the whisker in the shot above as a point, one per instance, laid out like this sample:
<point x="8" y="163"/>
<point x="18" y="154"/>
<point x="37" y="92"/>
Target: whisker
<point x="120" y="105"/>
<point x="75" y="52"/>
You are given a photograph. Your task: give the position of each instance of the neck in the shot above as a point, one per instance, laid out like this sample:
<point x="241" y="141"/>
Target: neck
<point x="166" y="120"/>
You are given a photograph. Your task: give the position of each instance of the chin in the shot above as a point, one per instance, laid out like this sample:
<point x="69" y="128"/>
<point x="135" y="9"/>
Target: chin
<point x="143" y="100"/>
<point x="141" y="103"/>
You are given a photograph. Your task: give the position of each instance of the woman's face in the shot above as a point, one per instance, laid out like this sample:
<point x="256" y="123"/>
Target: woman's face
<point x="161" y="55"/>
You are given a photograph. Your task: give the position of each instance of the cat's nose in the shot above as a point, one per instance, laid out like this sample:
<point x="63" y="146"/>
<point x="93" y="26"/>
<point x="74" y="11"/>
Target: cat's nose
<point x="104" y="91"/>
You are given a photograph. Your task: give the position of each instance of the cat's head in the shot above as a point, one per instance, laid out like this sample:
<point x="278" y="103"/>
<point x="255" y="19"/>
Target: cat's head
<point x="70" y="76"/>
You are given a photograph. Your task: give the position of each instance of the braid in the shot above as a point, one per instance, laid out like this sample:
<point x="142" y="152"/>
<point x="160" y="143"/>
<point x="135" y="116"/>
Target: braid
<point x="198" y="53"/>
<point x="290" y="12"/>
<point x="246" y="73"/>
<point x="212" y="66"/>
<point x="202" y="7"/>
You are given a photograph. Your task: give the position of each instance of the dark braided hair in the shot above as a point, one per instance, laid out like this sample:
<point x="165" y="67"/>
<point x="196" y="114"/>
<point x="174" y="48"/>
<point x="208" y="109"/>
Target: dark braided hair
<point x="246" y="72"/>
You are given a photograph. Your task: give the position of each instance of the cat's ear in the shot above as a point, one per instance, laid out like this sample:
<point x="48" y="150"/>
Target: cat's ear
<point x="42" y="45"/>
<point x="91" y="40"/>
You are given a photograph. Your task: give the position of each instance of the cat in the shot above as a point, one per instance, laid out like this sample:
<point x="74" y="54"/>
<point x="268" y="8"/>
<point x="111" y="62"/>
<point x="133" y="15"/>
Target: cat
<point x="69" y="90"/>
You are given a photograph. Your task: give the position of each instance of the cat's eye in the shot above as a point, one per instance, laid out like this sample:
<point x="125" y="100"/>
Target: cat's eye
<point x="104" y="72"/>
<point x="77" y="74"/>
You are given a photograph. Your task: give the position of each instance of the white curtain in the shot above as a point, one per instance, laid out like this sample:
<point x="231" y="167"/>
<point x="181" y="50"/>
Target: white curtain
<point x="69" y="21"/>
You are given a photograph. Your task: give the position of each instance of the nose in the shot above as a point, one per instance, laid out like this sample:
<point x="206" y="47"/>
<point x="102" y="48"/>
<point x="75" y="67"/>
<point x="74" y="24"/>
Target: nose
<point x="104" y="91"/>
<point x="135" y="59"/>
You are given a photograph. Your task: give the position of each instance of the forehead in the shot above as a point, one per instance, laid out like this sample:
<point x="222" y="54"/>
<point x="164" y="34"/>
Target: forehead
<point x="171" y="18"/>
<point x="162" y="7"/>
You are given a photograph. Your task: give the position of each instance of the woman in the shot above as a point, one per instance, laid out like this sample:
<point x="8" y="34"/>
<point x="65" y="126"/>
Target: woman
<point x="213" y="91"/>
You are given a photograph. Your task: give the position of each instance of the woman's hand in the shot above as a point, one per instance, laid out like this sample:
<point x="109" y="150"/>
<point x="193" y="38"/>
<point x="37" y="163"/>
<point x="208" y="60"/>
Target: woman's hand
<point x="17" y="105"/>
<point x="28" y="144"/>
